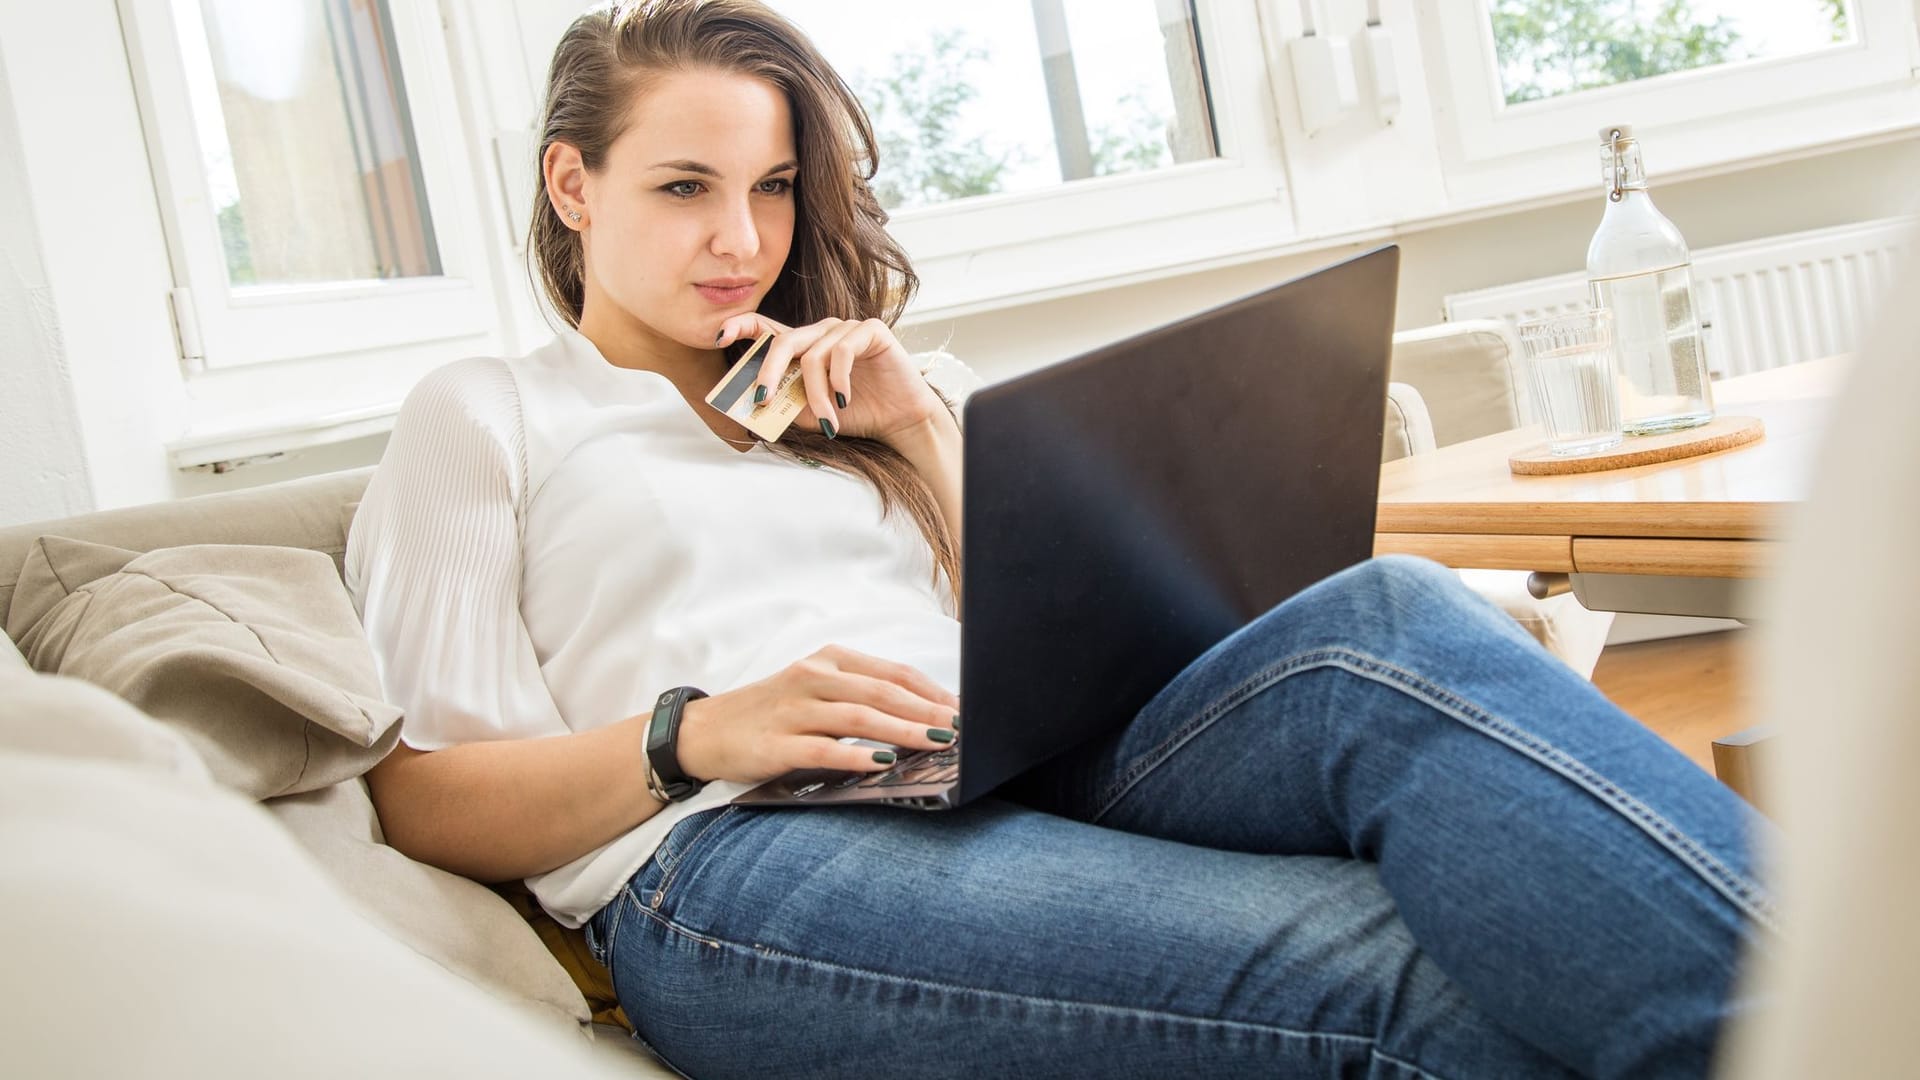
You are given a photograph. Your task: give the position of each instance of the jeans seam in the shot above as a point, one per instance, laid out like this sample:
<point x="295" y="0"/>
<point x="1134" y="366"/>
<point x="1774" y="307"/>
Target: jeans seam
<point x="1063" y="1005"/>
<point x="1735" y="887"/>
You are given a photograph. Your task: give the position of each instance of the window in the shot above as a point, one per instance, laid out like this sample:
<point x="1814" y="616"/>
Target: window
<point x="1522" y="87"/>
<point x="302" y="120"/>
<point x="1016" y="95"/>
<point x="306" y="157"/>
<point x="1031" y="148"/>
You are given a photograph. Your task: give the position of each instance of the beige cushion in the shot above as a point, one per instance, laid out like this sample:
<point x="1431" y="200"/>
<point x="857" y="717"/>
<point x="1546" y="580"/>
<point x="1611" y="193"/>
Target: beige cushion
<point x="1466" y="373"/>
<point x="461" y="925"/>
<point x="252" y="653"/>
<point x="157" y="927"/>
<point x="10" y="658"/>
<point x="57" y="716"/>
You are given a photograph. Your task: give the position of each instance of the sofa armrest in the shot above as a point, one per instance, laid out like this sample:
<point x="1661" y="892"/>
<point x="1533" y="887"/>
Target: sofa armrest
<point x="1409" y="430"/>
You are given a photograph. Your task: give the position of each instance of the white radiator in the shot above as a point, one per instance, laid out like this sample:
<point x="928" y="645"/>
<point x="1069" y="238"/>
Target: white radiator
<point x="1763" y="303"/>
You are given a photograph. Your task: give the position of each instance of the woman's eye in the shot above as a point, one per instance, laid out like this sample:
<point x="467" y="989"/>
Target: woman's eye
<point x="776" y="187"/>
<point x="685" y="189"/>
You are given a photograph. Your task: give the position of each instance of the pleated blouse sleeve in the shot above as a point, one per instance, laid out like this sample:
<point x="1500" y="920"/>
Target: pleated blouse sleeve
<point x="433" y="563"/>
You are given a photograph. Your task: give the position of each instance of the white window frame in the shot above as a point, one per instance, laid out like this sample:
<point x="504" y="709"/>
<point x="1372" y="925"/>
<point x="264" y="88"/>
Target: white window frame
<point x="221" y="327"/>
<point x="1690" y="121"/>
<point x="989" y="251"/>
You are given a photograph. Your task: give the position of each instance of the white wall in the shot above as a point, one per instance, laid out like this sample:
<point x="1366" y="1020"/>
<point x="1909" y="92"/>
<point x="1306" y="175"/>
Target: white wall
<point x="91" y="393"/>
<point x="106" y="331"/>
<point x="45" y="471"/>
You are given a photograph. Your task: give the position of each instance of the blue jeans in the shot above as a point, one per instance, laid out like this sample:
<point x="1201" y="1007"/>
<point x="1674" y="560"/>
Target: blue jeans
<point x="1377" y="832"/>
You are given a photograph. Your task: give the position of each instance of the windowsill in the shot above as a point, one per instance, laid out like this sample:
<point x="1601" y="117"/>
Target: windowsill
<point x="223" y="449"/>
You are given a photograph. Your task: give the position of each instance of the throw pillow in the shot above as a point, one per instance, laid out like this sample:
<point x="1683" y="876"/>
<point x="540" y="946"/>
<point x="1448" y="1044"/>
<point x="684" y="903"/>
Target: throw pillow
<point x="252" y="653"/>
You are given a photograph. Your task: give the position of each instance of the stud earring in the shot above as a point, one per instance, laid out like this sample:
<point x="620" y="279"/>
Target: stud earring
<point x="573" y="215"/>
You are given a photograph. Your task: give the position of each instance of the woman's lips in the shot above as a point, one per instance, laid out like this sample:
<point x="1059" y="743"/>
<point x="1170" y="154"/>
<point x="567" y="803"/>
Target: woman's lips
<point x="725" y="293"/>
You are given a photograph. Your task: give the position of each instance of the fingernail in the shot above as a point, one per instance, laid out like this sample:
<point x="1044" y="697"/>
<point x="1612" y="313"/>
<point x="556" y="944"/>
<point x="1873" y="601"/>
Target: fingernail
<point x="956" y="723"/>
<point x="840" y="399"/>
<point x="884" y="757"/>
<point x="826" y="428"/>
<point x="759" y="395"/>
<point x="718" y="336"/>
<point x="939" y="734"/>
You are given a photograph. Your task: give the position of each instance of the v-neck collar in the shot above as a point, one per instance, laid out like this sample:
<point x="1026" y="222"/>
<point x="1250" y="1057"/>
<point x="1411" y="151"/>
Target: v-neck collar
<point x="582" y="349"/>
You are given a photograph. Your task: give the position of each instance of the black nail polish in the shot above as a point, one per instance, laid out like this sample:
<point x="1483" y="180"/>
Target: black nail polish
<point x="826" y="428"/>
<point x="939" y="734"/>
<point x="884" y="757"/>
<point x="840" y="399"/>
<point x="759" y="395"/>
<point x="718" y="336"/>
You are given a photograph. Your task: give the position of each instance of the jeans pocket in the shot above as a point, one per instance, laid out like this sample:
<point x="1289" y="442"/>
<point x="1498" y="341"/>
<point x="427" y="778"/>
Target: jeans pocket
<point x="684" y="837"/>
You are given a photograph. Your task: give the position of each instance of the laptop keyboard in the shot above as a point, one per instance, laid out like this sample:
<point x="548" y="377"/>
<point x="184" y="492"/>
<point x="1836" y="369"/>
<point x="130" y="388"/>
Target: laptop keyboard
<point x="925" y="767"/>
<point x="920" y="767"/>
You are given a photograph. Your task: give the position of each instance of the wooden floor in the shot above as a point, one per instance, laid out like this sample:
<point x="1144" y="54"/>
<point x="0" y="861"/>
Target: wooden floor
<point x="1691" y="690"/>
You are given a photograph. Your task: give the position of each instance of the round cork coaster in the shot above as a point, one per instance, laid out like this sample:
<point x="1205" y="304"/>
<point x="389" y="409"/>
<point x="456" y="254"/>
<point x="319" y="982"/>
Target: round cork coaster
<point x="1721" y="433"/>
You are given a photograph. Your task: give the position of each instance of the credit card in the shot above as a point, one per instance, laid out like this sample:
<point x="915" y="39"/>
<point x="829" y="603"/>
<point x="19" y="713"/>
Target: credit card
<point x="771" y="418"/>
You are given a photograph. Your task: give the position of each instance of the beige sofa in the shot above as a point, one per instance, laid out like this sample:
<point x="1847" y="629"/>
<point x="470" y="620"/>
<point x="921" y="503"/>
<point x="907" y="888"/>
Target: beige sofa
<point x="195" y="851"/>
<point x="162" y="916"/>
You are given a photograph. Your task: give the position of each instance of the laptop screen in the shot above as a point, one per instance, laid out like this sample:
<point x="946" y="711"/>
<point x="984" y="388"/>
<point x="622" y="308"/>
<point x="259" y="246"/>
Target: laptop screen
<point x="1128" y="509"/>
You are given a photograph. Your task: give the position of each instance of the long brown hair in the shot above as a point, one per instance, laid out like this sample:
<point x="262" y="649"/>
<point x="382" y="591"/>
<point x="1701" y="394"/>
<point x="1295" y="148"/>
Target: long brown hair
<point x="842" y="263"/>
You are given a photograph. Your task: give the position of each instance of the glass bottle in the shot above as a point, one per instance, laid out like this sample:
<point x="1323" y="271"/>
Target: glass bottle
<point x="1639" y="269"/>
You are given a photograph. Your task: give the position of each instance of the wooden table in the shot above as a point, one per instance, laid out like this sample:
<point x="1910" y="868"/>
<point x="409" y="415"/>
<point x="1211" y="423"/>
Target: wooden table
<point x="1671" y="538"/>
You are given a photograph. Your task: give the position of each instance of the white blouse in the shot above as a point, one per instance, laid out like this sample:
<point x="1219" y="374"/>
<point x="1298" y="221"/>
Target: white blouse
<point x="550" y="541"/>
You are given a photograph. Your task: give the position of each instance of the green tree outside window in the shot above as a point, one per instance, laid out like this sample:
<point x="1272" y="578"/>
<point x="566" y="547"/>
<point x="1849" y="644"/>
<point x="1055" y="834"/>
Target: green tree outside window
<point x="1551" y="47"/>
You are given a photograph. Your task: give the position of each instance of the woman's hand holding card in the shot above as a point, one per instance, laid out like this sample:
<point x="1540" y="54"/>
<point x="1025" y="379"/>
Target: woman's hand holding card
<point x="859" y="379"/>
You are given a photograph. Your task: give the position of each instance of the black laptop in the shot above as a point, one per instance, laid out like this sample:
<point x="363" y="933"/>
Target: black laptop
<point x="1130" y="508"/>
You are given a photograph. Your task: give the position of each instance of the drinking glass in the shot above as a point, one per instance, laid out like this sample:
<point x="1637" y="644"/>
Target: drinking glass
<point x="1569" y="362"/>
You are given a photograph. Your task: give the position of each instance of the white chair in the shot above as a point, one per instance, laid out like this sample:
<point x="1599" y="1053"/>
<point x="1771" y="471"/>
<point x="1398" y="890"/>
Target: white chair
<point x="1465" y="379"/>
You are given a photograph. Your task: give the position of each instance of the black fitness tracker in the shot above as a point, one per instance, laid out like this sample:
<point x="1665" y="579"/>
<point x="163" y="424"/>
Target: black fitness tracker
<point x="663" y="743"/>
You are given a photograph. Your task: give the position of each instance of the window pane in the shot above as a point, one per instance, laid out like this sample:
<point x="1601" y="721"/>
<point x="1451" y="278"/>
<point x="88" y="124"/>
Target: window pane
<point x="309" y="148"/>
<point x="1016" y="95"/>
<point x="1551" y="47"/>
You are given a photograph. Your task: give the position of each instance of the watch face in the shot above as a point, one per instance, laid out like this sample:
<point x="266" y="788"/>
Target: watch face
<point x="657" y="733"/>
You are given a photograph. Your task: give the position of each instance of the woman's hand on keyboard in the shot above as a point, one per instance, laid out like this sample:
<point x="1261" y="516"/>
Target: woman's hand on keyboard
<point x="795" y="719"/>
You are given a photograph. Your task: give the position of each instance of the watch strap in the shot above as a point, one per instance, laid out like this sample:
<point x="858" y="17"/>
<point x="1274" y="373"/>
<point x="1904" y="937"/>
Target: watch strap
<point x="663" y="744"/>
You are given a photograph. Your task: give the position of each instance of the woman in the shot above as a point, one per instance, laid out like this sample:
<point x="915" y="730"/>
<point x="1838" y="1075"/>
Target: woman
<point x="1376" y="831"/>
